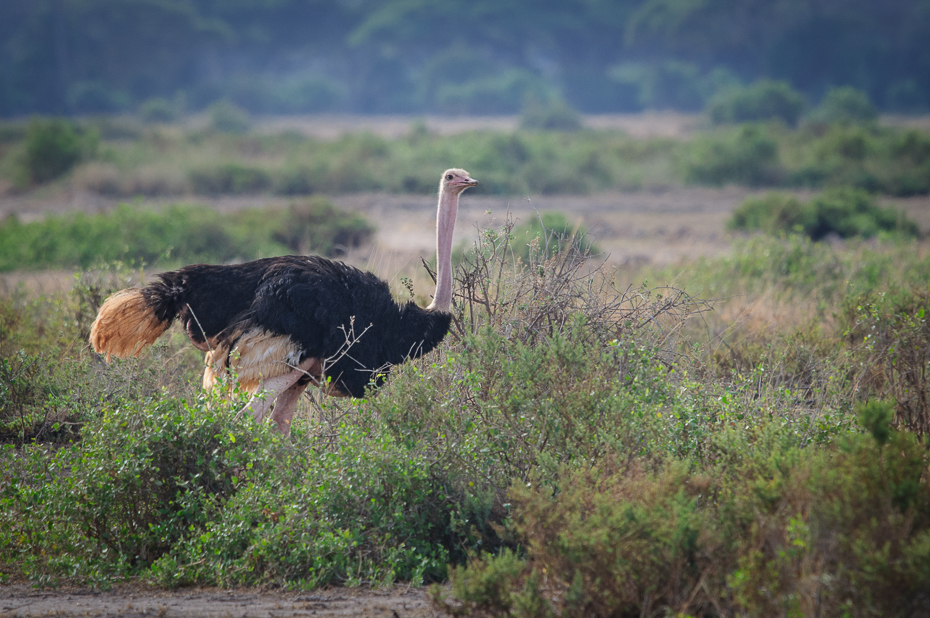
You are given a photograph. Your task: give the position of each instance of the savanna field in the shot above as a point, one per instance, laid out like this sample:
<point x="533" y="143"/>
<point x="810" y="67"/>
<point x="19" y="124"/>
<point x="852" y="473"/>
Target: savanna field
<point x="740" y="432"/>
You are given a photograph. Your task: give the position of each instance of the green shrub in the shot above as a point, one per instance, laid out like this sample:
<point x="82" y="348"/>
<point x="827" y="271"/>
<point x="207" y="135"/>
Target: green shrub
<point x="890" y="336"/>
<point x="317" y="226"/>
<point x="142" y="476"/>
<point x="547" y="234"/>
<point x="844" y="105"/>
<point x="769" y="529"/>
<point x="158" y="110"/>
<point x="12" y="131"/>
<point x="226" y="117"/>
<point x="853" y="212"/>
<point x="229" y="178"/>
<point x="747" y="155"/>
<point x="774" y="213"/>
<point x="501" y="93"/>
<point x="554" y="115"/>
<point x="185" y="233"/>
<point x="906" y="97"/>
<point x="759" y="102"/>
<point x="96" y="97"/>
<point x="365" y="510"/>
<point x="53" y="147"/>
<point x="867" y="157"/>
<point x="842" y="211"/>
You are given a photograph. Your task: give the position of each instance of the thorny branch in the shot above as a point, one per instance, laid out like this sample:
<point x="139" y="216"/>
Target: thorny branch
<point x="531" y="296"/>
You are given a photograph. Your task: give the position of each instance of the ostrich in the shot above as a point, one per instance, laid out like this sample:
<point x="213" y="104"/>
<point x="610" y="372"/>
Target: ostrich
<point x="283" y="322"/>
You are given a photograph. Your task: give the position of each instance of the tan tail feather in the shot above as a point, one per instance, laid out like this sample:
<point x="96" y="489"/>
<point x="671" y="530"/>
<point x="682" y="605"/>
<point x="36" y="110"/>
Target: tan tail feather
<point x="125" y="325"/>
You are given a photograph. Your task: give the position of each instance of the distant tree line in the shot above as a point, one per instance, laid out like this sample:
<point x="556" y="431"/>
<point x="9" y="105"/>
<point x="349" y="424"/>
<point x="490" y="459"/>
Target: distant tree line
<point x="451" y="56"/>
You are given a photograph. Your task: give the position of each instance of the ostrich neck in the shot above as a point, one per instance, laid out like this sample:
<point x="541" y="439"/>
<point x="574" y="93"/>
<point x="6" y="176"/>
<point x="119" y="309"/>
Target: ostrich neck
<point x="445" y="225"/>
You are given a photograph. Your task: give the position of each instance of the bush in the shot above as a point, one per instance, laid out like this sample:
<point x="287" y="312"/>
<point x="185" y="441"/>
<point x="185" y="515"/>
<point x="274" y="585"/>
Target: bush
<point x="774" y="213"/>
<point x="311" y="94"/>
<point x="747" y="155"/>
<point x="906" y="97"/>
<point x="226" y="117"/>
<point x="768" y="529"/>
<point x="96" y="97"/>
<point x="317" y="226"/>
<point x="548" y="234"/>
<point x="759" y="102"/>
<point x="186" y="233"/>
<point x="844" y="105"/>
<point x="555" y="115"/>
<point x="227" y="178"/>
<point x="843" y="211"/>
<point x="853" y="212"/>
<point x="503" y="93"/>
<point x="890" y="335"/>
<point x="164" y="463"/>
<point x="53" y="147"/>
<point x="158" y="110"/>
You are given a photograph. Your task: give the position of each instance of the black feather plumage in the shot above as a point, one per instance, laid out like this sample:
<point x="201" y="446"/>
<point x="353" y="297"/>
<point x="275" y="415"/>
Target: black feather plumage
<point x="314" y="301"/>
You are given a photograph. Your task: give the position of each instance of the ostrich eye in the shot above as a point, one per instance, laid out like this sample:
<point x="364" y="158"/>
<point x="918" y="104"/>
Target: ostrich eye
<point x="448" y="176"/>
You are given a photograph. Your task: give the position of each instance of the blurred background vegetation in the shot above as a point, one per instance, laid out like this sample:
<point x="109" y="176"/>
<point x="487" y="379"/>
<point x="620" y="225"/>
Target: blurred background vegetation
<point x="160" y="57"/>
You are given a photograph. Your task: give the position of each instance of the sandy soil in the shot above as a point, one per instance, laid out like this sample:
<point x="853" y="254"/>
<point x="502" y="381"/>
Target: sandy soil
<point x="130" y="601"/>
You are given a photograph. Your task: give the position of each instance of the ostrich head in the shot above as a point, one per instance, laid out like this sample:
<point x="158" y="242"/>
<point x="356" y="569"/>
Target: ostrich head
<point x="453" y="182"/>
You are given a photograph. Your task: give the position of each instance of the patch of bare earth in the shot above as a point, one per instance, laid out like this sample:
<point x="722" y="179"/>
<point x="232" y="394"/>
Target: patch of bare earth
<point x="22" y="601"/>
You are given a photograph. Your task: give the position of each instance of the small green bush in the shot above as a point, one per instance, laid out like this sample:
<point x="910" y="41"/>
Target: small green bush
<point x="316" y="225"/>
<point x="853" y="212"/>
<point x="227" y="117"/>
<point x="890" y="336"/>
<point x="501" y="93"/>
<point x="229" y="178"/>
<point x="773" y="213"/>
<point x="759" y="102"/>
<point x="547" y="234"/>
<point x="158" y="110"/>
<point x="556" y="115"/>
<point x="842" y="211"/>
<point x="748" y="155"/>
<point x="96" y="97"/>
<point x="867" y="157"/>
<point x="53" y="147"/>
<point x="12" y="131"/>
<point x="844" y="105"/>
<point x="163" y="463"/>
<point x="906" y="97"/>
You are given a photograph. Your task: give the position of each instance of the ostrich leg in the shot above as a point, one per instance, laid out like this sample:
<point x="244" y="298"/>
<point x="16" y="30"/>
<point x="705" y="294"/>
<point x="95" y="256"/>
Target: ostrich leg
<point x="272" y="389"/>
<point x="286" y="404"/>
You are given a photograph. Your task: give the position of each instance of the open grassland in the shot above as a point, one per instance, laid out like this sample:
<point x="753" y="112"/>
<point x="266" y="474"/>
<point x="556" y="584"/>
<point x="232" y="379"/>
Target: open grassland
<point x="737" y="434"/>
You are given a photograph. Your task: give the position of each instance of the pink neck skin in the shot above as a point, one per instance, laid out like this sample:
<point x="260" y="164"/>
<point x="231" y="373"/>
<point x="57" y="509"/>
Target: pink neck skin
<point x="445" y="224"/>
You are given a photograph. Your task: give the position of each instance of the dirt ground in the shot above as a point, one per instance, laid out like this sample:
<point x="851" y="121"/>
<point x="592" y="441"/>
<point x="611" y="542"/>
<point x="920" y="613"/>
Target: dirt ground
<point x="130" y="601"/>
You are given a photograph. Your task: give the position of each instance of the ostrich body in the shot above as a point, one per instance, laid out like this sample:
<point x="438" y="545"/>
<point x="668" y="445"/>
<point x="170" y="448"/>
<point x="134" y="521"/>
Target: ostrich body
<point x="281" y="323"/>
